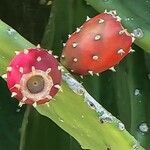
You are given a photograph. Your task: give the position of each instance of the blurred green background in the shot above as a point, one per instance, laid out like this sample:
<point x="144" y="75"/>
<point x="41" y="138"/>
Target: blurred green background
<point x="126" y="93"/>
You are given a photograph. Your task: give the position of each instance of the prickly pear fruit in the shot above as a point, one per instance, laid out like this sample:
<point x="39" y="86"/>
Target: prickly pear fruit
<point x="33" y="76"/>
<point x="99" y="44"/>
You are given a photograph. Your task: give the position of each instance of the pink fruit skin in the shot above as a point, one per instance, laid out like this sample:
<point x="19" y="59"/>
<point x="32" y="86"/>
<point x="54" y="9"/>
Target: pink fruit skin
<point x="26" y="61"/>
<point x="106" y="48"/>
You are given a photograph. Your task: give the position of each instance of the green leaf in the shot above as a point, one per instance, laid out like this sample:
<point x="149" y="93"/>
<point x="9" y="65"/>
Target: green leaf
<point x="38" y="132"/>
<point x="10" y="120"/>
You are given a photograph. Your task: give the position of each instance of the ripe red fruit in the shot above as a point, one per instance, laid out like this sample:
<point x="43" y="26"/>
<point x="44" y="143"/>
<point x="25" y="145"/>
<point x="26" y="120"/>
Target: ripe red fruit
<point x="99" y="44"/>
<point x="33" y="76"/>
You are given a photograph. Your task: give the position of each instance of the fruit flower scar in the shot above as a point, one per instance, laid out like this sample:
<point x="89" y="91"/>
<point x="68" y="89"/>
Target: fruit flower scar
<point x="33" y="76"/>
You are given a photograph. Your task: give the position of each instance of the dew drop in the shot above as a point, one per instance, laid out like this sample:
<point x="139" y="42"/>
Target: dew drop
<point x="143" y="127"/>
<point x="18" y="110"/>
<point x="49" y="3"/>
<point x="137" y="92"/>
<point x="127" y="19"/>
<point x="132" y="18"/>
<point x="138" y="33"/>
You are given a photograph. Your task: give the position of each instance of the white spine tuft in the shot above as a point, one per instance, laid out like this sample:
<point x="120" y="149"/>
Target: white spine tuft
<point x="26" y="51"/>
<point x="13" y="94"/>
<point x="90" y="72"/>
<point x="112" y="69"/>
<point x="9" y="69"/>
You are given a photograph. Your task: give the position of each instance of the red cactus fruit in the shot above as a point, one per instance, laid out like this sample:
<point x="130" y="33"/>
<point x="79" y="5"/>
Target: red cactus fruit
<point x="33" y="76"/>
<point x="99" y="44"/>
